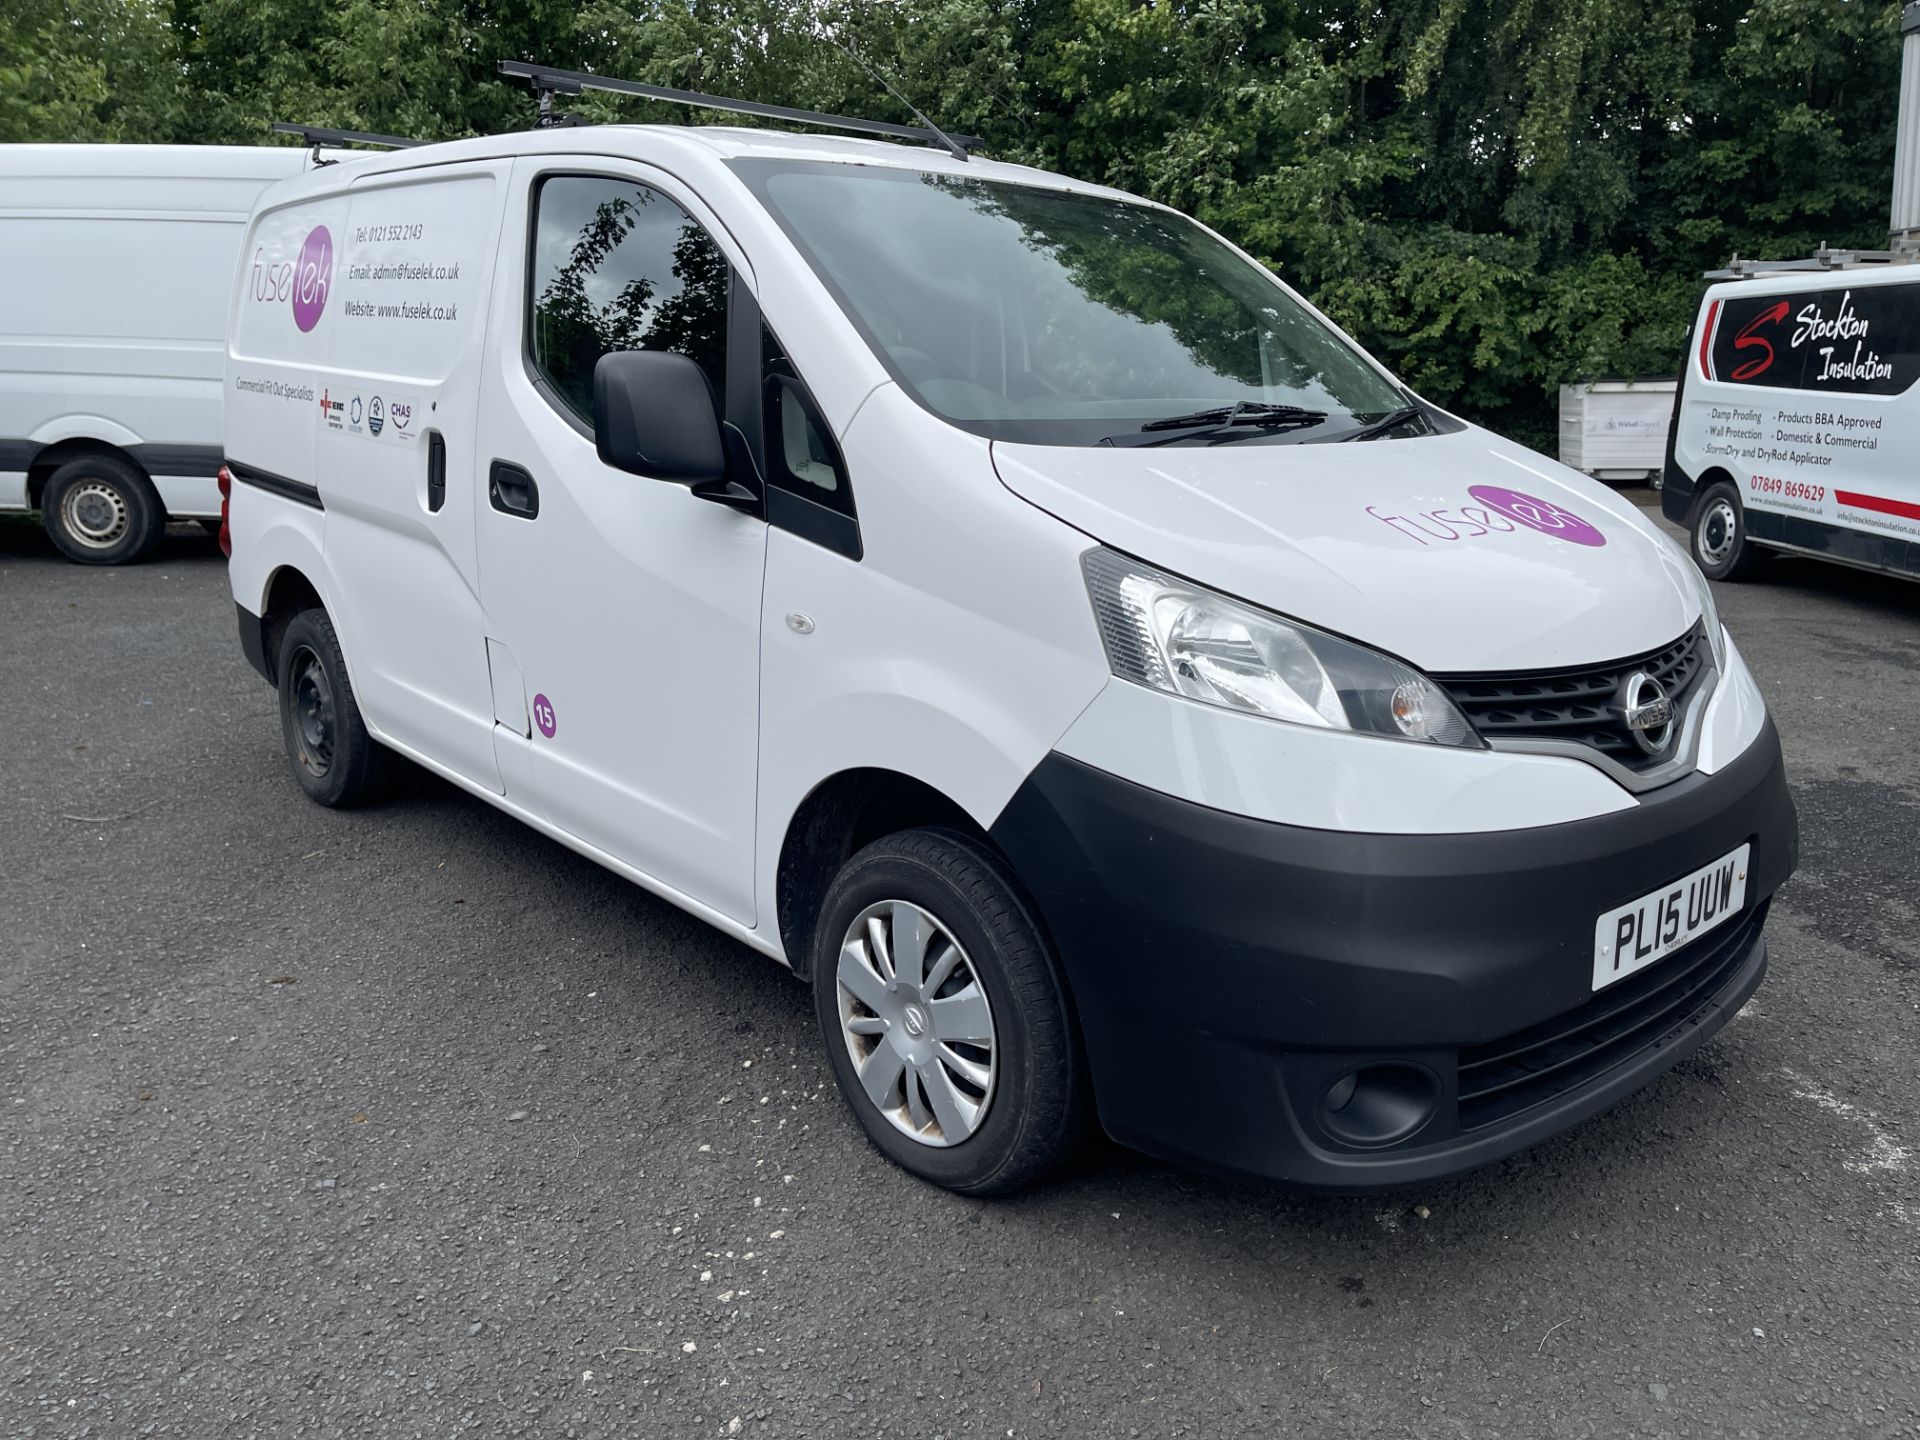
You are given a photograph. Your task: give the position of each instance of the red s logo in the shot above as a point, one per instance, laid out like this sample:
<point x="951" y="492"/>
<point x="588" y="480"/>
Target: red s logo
<point x="1747" y="340"/>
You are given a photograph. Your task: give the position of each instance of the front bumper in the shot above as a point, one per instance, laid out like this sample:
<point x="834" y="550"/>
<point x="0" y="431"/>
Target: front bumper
<point x="1227" y="971"/>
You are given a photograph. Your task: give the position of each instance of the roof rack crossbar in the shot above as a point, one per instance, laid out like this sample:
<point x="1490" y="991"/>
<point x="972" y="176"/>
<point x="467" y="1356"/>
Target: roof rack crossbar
<point x="1821" y="259"/>
<point x="316" y="136"/>
<point x="548" y="81"/>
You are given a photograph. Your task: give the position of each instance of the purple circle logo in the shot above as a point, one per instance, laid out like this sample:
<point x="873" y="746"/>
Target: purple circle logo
<point x="1537" y="514"/>
<point x="544" y="717"/>
<point x="312" y="278"/>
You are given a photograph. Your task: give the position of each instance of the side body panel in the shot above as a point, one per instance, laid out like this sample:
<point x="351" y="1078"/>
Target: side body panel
<point x="956" y="652"/>
<point x="358" y="329"/>
<point x="412" y="280"/>
<point x="275" y="376"/>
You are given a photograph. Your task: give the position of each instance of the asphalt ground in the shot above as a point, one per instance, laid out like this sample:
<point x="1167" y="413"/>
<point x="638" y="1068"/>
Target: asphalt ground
<point x="412" y="1123"/>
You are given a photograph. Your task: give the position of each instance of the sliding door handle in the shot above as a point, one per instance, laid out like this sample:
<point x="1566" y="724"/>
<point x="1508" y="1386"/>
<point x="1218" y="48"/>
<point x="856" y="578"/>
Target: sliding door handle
<point x="436" y="471"/>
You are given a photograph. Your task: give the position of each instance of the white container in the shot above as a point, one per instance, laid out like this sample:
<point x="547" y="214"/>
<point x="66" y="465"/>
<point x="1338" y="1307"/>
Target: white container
<point x="1616" y="429"/>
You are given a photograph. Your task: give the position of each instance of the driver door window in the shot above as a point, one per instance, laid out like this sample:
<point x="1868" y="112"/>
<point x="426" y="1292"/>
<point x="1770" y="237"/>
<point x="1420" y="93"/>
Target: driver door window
<point x="618" y="266"/>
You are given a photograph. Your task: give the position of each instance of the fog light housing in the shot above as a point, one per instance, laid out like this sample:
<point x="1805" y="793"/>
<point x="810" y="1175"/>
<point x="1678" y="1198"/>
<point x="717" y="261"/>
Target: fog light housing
<point x="1379" y="1104"/>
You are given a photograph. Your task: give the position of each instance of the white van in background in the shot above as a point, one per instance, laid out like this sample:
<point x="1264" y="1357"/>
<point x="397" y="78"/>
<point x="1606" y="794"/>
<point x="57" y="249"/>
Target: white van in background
<point x="1011" y="606"/>
<point x="1798" y="422"/>
<point x="116" y="262"/>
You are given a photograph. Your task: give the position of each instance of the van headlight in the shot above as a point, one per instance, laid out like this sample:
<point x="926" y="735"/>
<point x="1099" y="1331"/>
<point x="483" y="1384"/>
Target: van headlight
<point x="1169" y="634"/>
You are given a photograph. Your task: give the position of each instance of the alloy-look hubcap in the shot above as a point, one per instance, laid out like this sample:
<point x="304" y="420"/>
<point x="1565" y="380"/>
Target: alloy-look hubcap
<point x="917" y="1023"/>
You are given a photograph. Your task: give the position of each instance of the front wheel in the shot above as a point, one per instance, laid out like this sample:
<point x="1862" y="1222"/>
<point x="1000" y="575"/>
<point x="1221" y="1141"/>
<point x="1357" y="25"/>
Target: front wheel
<point x="1719" y="536"/>
<point x="337" y="762"/>
<point x="945" y="1017"/>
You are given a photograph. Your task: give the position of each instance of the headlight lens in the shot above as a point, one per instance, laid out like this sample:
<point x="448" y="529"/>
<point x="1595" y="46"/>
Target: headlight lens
<point x="1168" y="634"/>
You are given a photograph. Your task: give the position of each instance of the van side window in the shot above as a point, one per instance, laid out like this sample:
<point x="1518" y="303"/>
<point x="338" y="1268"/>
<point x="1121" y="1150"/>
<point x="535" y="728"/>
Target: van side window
<point x="619" y="266"/>
<point x="802" y="457"/>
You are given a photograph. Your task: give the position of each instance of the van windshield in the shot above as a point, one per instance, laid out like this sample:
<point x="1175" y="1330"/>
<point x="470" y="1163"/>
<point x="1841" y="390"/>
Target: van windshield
<point x="1054" y="317"/>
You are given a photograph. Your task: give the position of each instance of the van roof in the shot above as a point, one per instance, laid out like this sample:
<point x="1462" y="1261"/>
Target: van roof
<point x="1793" y="282"/>
<point x="149" y="162"/>
<point x="723" y="142"/>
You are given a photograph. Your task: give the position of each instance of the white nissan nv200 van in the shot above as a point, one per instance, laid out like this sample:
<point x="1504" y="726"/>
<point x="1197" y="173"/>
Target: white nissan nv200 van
<point x="1006" y="603"/>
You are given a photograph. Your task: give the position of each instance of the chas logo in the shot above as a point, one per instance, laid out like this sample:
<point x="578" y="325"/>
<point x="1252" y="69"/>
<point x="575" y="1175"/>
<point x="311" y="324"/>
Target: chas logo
<point x="304" y="282"/>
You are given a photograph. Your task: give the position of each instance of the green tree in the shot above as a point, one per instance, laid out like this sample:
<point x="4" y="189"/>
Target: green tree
<point x="1496" y="199"/>
<point x="87" y="70"/>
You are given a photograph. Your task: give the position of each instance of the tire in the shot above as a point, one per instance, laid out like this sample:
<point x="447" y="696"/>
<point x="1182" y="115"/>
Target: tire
<point x="1029" y="1112"/>
<point x="1717" y="536"/>
<point x="100" y="510"/>
<point x="335" y="760"/>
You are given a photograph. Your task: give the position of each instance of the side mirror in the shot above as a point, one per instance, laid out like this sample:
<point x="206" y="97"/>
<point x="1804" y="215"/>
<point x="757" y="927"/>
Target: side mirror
<point x="653" y="415"/>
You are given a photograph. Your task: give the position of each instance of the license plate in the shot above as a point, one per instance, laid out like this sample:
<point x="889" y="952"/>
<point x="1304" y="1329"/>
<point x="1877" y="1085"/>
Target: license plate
<point x="1654" y="926"/>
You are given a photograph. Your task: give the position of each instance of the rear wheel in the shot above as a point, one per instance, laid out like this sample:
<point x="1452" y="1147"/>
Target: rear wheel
<point x="945" y="1018"/>
<point x="1719" y="535"/>
<point x="334" y="758"/>
<point x="100" y="510"/>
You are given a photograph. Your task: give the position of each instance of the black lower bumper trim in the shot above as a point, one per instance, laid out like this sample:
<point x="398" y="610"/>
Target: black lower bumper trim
<point x="192" y="460"/>
<point x="253" y="640"/>
<point x="1229" y="972"/>
<point x="1516" y="1072"/>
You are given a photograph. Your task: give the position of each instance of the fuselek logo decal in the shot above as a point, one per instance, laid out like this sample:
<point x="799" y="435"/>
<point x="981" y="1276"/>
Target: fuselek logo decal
<point x="1499" y="510"/>
<point x="302" y="283"/>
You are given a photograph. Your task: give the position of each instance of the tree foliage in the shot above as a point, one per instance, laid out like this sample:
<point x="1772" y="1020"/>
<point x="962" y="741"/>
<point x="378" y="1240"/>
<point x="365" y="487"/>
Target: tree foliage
<point x="1495" y="199"/>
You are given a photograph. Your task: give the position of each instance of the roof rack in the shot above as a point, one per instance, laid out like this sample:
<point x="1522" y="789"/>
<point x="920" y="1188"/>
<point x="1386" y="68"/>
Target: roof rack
<point x="548" y="82"/>
<point x="1821" y="259"/>
<point x="317" y="136"/>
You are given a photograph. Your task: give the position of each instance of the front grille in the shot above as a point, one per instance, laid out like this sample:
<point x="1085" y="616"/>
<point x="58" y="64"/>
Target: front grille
<point x="1581" y="704"/>
<point x="1503" y="1077"/>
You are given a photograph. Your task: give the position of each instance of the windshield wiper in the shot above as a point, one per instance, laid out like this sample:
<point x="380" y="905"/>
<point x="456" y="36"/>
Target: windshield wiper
<point x="1241" y="412"/>
<point x="1202" y="423"/>
<point x="1392" y="420"/>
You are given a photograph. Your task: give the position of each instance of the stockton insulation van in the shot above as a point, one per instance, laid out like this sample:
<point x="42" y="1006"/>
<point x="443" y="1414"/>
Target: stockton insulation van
<point x="115" y="266"/>
<point x="1798" y="426"/>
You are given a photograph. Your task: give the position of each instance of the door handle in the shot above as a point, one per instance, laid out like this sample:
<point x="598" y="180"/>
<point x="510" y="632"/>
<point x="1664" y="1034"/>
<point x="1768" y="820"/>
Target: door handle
<point x="512" y="491"/>
<point x="436" y="470"/>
